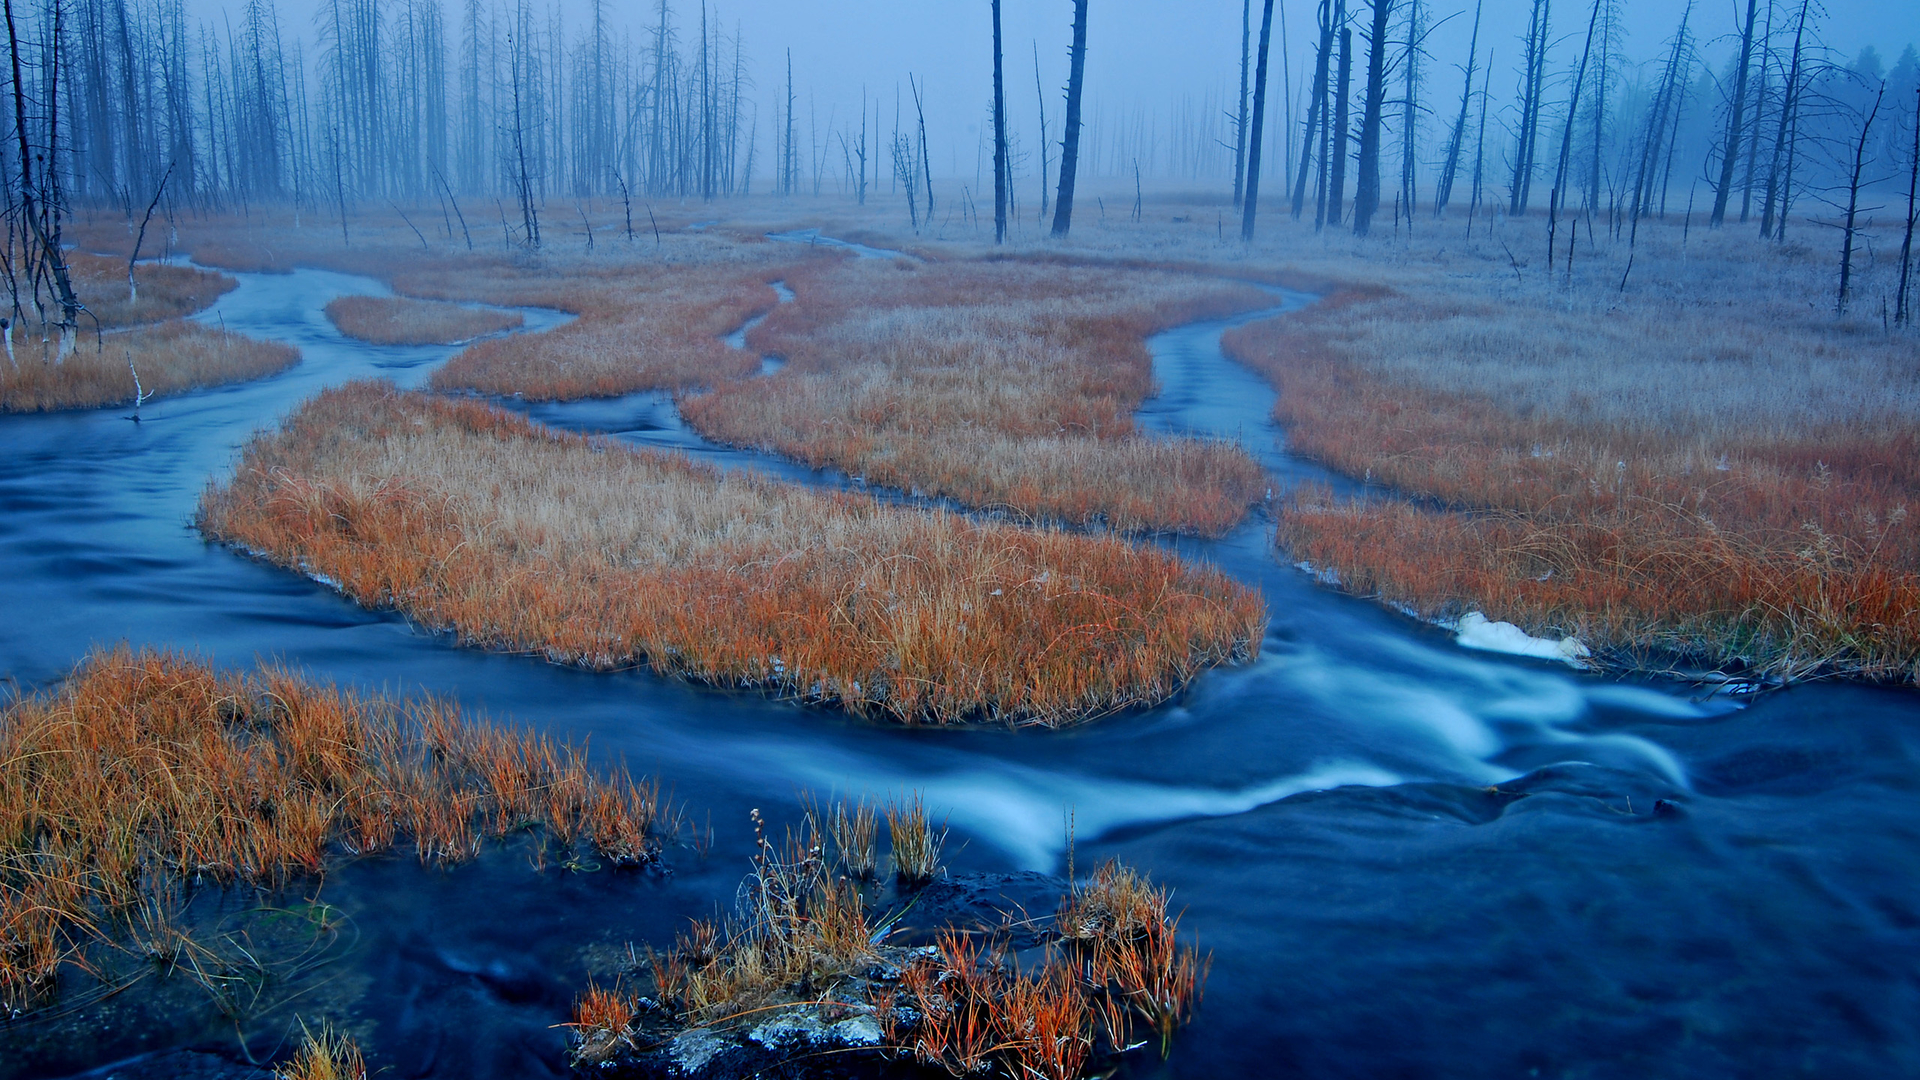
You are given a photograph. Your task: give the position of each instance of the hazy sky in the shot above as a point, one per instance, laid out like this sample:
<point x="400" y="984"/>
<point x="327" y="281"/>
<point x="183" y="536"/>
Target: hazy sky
<point x="1142" y="54"/>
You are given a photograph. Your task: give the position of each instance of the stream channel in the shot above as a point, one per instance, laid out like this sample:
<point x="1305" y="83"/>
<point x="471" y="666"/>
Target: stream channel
<point x="1327" y="815"/>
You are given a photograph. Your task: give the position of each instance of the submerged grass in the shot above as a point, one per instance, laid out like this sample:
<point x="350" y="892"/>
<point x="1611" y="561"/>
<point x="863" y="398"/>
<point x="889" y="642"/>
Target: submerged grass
<point x="402" y="321"/>
<point x="469" y="517"/>
<point x="148" y="773"/>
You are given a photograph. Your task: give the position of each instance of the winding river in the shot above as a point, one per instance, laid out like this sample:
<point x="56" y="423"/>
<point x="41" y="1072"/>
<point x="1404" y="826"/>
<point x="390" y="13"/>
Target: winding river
<point x="1407" y="857"/>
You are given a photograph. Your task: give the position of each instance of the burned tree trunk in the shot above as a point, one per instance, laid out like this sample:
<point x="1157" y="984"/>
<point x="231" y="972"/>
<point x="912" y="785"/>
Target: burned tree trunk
<point x="1070" y="138"/>
<point x="1443" y="193"/>
<point x="1902" y="313"/>
<point x="1316" y="109"/>
<point x="1366" y="193"/>
<point x="1783" y="132"/>
<point x="1736" y="117"/>
<point x="1240" y="107"/>
<point x="1337" y="147"/>
<point x="999" y="138"/>
<point x="1851" y="228"/>
<point x="1532" y="83"/>
<point x="1252" y="206"/>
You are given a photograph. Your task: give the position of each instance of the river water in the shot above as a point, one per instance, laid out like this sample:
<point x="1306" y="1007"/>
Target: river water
<point x="1408" y="857"/>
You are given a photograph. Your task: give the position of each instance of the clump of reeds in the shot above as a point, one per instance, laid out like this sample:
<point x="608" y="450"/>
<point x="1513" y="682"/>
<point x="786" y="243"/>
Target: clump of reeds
<point x="327" y="1055"/>
<point x="916" y="842"/>
<point x="801" y="943"/>
<point x="145" y="772"/>
<point x="168" y="358"/>
<point x="471" y="518"/>
<point x="403" y="321"/>
<point x="1004" y="384"/>
<point x="856" y="835"/>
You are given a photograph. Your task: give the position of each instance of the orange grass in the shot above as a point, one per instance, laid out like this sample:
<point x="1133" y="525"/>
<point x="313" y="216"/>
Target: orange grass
<point x="166" y="291"/>
<point x="471" y="518"/>
<point x="401" y="321"/>
<point x="171" y="358"/>
<point x="325" y="1056"/>
<point x="147" y="769"/>
<point x="996" y="383"/>
<point x="1788" y="545"/>
<point x="803" y="942"/>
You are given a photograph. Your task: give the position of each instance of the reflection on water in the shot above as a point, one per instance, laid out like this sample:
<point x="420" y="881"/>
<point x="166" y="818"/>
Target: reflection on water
<point x="1407" y="858"/>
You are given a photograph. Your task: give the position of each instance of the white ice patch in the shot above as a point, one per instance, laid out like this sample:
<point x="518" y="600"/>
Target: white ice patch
<point x="1476" y="631"/>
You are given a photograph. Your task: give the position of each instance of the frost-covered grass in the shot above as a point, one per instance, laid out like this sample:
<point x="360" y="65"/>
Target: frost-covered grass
<point x="171" y="357"/>
<point x="1004" y="384"/>
<point x="469" y="517"/>
<point x="995" y="383"/>
<point x="402" y="321"/>
<point x="1708" y="461"/>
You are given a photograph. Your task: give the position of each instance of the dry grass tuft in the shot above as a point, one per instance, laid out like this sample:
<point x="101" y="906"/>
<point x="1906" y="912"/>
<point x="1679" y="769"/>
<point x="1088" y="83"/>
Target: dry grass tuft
<point x="326" y="1056"/>
<point x="802" y="944"/>
<point x="469" y="517"/>
<point x="916" y="842"/>
<point x="1648" y="510"/>
<point x="166" y="291"/>
<point x="147" y="770"/>
<point x="995" y="383"/>
<point x="401" y="321"/>
<point x="171" y="358"/>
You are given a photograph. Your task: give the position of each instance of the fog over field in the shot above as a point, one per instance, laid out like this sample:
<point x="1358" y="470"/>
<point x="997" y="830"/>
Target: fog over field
<point x="1172" y="66"/>
<point x="1311" y="538"/>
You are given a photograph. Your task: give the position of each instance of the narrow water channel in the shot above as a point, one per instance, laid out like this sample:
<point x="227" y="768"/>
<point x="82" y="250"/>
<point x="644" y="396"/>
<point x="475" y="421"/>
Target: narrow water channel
<point x="1407" y="857"/>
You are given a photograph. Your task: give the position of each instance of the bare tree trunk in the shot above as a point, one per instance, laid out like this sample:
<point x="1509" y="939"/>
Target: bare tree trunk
<point x="1240" y="110"/>
<point x="1337" y="155"/>
<point x="1566" y="138"/>
<point x="1252" y="206"/>
<point x="1789" y="107"/>
<point x="1070" y="140"/>
<point x="1532" y="84"/>
<point x="1040" y="93"/>
<point x="1736" y="117"/>
<point x="1902" y="313"/>
<point x="1853" y="204"/>
<point x="999" y="137"/>
<point x="1444" y="192"/>
<point x="1366" y="195"/>
<point x="1316" y="109"/>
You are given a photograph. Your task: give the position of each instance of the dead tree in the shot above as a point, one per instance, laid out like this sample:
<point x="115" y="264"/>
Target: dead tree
<point x="1853" y="204"/>
<point x="1903" y="314"/>
<point x="1784" y="131"/>
<point x="1317" y="108"/>
<point x="1456" y="142"/>
<point x="1240" y="107"/>
<point x="1566" y="140"/>
<point x="1041" y="94"/>
<point x="1070" y="140"/>
<point x="1337" y="145"/>
<point x="1736" y="117"/>
<point x="1532" y="84"/>
<point x="1252" y="206"/>
<point x="1366" y="192"/>
<point x="999" y="137"/>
